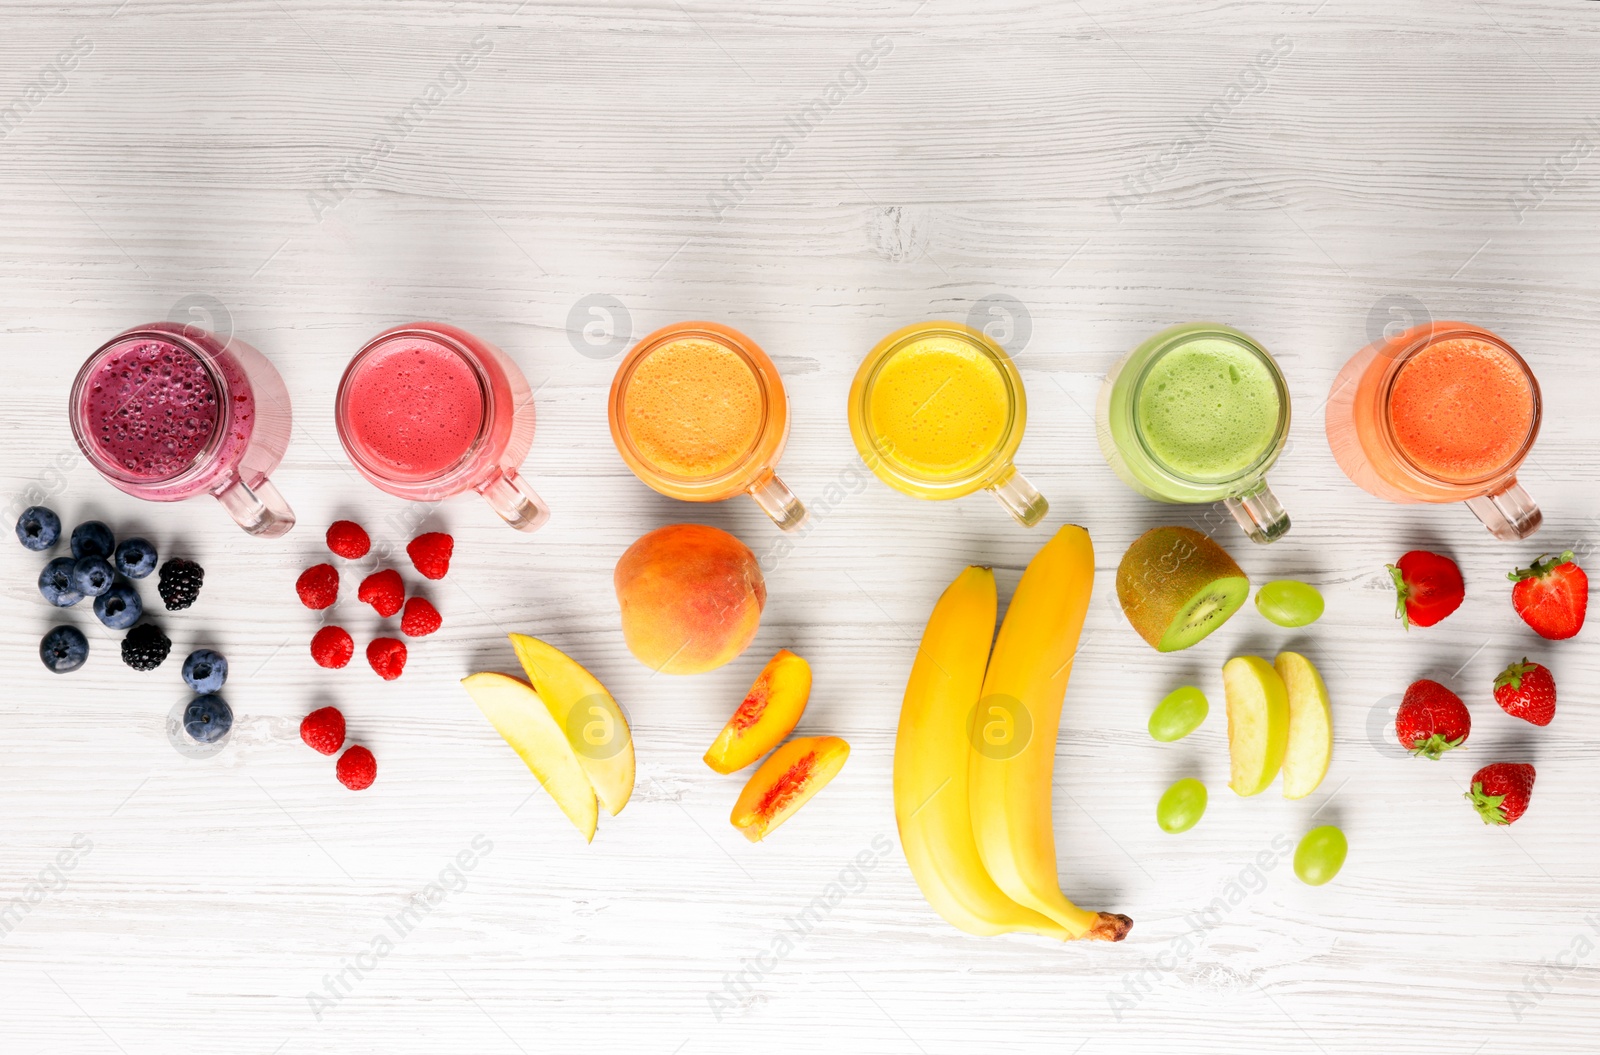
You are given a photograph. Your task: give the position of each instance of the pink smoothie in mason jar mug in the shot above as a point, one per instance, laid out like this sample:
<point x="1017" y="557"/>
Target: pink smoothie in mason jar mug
<point x="166" y="412"/>
<point x="427" y="410"/>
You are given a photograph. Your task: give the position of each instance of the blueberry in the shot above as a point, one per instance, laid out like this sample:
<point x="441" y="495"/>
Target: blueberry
<point x="136" y="557"/>
<point x="205" y="671"/>
<point x="208" y="718"/>
<point x="38" y="528"/>
<point x="92" y="539"/>
<point x="119" y="607"/>
<point x="64" y="649"/>
<point x="55" y="582"/>
<point x="92" y="576"/>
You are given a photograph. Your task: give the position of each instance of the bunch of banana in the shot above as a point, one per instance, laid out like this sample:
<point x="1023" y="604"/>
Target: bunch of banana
<point x="976" y="748"/>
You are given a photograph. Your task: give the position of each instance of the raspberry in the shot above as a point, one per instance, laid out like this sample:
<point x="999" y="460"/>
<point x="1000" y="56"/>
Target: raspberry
<point x="331" y="647"/>
<point x="384" y="590"/>
<point x="180" y="583"/>
<point x="357" y="769"/>
<point x="348" y="539"/>
<point x="431" y="553"/>
<point x="387" y="656"/>
<point x="323" y="730"/>
<point x="318" y="586"/>
<point x="420" y="618"/>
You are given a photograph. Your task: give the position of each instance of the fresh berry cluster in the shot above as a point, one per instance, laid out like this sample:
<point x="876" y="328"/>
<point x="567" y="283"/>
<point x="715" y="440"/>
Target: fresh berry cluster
<point x="323" y="731"/>
<point x="385" y="590"/>
<point x="1552" y="597"/>
<point x="102" y="568"/>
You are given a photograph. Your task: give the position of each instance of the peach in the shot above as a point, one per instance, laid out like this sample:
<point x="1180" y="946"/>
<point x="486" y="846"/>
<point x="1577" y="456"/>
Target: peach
<point x="691" y="598"/>
<point x="785" y="782"/>
<point x="770" y="711"/>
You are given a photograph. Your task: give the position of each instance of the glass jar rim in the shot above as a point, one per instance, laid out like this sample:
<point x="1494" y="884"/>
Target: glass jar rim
<point x="1176" y="337"/>
<point x="91" y="448"/>
<point x="449" y="343"/>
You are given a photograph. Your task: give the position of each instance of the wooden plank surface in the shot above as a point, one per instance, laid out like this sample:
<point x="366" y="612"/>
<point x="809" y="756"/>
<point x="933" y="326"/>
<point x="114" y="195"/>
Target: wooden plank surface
<point x="1305" y="171"/>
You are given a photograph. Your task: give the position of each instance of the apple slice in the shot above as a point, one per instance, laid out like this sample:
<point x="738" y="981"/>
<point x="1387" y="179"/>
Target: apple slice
<point x="1310" y="748"/>
<point x="517" y="713"/>
<point x="770" y="711"/>
<point x="1258" y="722"/>
<point x="587" y="714"/>
<point x="786" y="781"/>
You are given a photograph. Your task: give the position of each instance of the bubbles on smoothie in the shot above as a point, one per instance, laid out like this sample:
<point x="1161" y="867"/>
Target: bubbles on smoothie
<point x="151" y="409"/>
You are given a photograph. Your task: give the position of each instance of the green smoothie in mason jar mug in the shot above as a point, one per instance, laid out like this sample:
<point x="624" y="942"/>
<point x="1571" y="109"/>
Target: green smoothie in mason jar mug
<point x="1198" y="413"/>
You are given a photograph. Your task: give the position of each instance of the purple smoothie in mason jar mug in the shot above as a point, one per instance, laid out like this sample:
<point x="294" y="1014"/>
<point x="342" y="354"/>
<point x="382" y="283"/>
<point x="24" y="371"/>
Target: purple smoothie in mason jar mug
<point x="166" y="412"/>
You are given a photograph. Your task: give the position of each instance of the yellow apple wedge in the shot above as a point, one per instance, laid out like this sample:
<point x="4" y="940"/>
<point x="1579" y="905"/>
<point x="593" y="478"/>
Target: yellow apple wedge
<point x="517" y="713"/>
<point x="587" y="714"/>
<point x="1310" y="748"/>
<point x="1258" y="723"/>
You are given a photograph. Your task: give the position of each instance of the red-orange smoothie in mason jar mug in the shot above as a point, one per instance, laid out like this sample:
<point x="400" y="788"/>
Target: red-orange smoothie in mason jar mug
<point x="1442" y="412"/>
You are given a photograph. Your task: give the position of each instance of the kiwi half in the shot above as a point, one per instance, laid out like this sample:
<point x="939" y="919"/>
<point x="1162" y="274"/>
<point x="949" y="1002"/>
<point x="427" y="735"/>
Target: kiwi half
<point x="1176" y="586"/>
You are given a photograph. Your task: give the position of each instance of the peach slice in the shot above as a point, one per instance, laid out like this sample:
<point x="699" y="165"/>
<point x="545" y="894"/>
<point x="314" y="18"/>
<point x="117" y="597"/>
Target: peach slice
<point x="518" y="714"/>
<point x="786" y="781"/>
<point x="770" y="711"/>
<point x="590" y="718"/>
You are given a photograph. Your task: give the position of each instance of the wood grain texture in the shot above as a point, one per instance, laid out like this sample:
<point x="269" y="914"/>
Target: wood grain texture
<point x="1115" y="168"/>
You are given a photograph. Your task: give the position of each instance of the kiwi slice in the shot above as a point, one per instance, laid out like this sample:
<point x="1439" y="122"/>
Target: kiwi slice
<point x="1176" y="586"/>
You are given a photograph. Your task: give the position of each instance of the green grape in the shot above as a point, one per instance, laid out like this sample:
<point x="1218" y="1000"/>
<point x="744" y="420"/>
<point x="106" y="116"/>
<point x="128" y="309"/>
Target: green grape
<point x="1179" y="714"/>
<point x="1320" y="855"/>
<point x="1181" y="806"/>
<point x="1289" y="603"/>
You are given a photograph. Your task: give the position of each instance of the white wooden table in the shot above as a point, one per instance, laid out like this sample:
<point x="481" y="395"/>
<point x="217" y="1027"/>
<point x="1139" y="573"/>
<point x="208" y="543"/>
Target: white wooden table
<point x="1304" y="171"/>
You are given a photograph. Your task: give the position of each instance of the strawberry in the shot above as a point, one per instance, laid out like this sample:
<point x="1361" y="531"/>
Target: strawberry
<point x="420" y="618"/>
<point x="1527" y="691"/>
<point x="1551" y="596"/>
<point x="387" y="656"/>
<point x="348" y="539"/>
<point x="431" y="553"/>
<point x="1431" y="720"/>
<point x="356" y="768"/>
<point x="323" y="730"/>
<point x="1429" y="587"/>
<point x="384" y="590"/>
<point x="318" y="586"/>
<point x="331" y="647"/>
<point x="1501" y="790"/>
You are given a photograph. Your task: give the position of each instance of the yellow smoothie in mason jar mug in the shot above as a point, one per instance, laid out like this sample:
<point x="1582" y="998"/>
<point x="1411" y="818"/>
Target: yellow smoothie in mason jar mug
<point x="937" y="411"/>
<point x="940" y="406"/>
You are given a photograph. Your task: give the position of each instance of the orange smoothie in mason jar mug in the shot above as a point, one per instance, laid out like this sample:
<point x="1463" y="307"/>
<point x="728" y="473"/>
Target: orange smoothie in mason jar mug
<point x="699" y="413"/>
<point x="1443" y="412"/>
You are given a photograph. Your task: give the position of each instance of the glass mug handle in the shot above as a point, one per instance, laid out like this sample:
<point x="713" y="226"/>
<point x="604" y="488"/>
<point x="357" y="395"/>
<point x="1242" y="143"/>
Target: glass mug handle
<point x="517" y="503"/>
<point x="1509" y="513"/>
<point x="1019" y="497"/>
<point x="1259" y="513"/>
<point x="778" y="502"/>
<point x="260" y="510"/>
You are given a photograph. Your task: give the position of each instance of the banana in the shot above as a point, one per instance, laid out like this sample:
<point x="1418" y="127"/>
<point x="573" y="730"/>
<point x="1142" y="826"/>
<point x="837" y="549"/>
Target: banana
<point x="932" y="755"/>
<point x="1020" y="715"/>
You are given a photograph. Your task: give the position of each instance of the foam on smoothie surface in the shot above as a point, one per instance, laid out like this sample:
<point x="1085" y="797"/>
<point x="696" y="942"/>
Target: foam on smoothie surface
<point x="693" y="408"/>
<point x="415" y="407"/>
<point x="1209" y="409"/>
<point x="940" y="405"/>
<point x="151" y="409"/>
<point x="1461" y="409"/>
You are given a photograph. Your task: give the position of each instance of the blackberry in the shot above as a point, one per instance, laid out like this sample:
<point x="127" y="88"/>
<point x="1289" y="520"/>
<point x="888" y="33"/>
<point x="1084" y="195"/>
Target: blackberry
<point x="145" y="647"/>
<point x="180" y="583"/>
